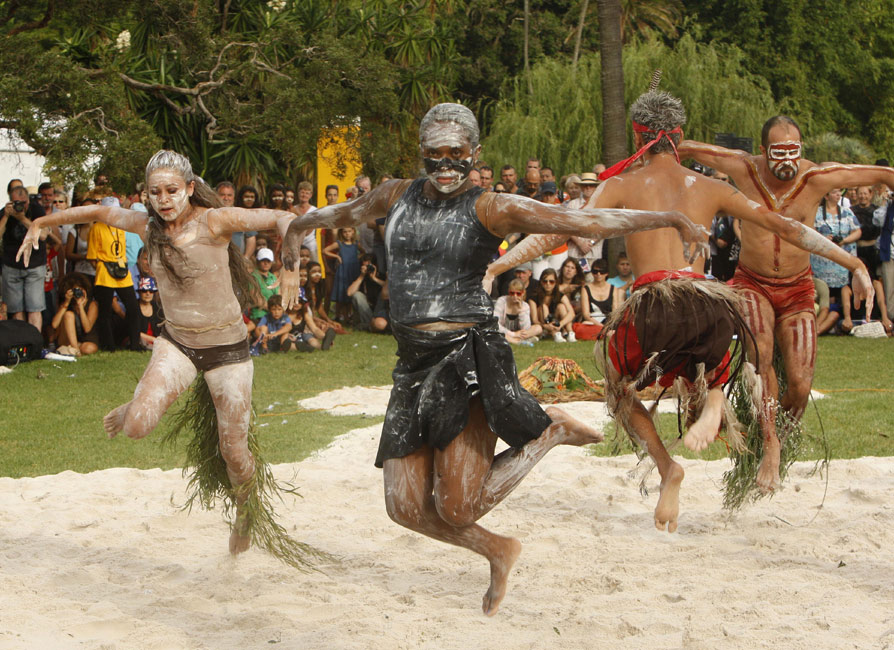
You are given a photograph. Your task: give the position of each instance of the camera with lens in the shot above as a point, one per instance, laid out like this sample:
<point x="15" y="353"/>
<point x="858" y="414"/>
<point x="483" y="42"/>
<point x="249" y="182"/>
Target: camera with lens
<point x="837" y="239"/>
<point x="18" y="206"/>
<point x="77" y="292"/>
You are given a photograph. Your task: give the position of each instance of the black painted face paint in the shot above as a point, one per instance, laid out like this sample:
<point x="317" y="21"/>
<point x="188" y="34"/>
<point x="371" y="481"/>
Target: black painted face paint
<point x="432" y="165"/>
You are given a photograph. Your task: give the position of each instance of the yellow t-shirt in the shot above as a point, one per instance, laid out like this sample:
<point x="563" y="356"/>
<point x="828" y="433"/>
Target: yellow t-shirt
<point x="107" y="244"/>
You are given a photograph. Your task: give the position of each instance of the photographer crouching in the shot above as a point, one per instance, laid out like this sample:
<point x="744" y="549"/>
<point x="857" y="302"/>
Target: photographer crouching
<point x="22" y="283"/>
<point x="366" y="295"/>
<point x="75" y="320"/>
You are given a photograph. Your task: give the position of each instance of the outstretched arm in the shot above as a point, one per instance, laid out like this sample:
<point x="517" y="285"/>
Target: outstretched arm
<point x="504" y="213"/>
<point x="130" y="220"/>
<point x="370" y="206"/>
<point x="226" y="221"/>
<point x="797" y="234"/>
<point x="352" y="213"/>
<point x="829" y="176"/>
<point x="529" y="248"/>
<point x="730" y="161"/>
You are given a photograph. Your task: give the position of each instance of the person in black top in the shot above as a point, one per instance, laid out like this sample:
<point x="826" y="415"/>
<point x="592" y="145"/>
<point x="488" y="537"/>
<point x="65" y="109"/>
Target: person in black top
<point x="22" y="281"/>
<point x="455" y="385"/>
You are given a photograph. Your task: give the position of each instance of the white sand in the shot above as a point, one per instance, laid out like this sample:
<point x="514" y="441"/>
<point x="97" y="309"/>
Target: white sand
<point x="106" y="561"/>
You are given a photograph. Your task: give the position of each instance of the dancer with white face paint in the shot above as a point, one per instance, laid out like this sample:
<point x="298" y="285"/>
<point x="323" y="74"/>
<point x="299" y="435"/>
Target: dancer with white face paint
<point x="676" y="324"/>
<point x="198" y="271"/>
<point x="456" y="389"/>
<point x="774" y="275"/>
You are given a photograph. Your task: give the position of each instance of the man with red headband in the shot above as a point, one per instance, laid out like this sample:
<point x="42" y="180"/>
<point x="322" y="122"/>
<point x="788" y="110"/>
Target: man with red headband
<point x="773" y="276"/>
<point x="676" y="323"/>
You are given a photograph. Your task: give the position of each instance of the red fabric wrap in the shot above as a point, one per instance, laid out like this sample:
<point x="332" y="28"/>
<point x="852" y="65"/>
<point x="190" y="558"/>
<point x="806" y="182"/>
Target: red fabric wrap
<point x="788" y="296"/>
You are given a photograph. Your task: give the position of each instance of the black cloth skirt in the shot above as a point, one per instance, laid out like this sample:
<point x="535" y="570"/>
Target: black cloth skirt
<point x="437" y="373"/>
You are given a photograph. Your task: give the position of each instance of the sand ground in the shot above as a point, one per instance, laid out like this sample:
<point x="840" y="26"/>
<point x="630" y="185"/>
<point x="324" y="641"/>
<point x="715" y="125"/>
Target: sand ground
<point x="105" y="560"/>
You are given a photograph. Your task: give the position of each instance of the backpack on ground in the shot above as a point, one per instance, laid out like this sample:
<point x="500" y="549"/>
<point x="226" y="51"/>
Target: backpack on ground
<point x="19" y="341"/>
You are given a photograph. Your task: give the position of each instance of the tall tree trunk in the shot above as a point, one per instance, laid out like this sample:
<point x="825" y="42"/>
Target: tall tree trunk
<point x="527" y="68"/>
<point x="580" y="31"/>
<point x="614" y="113"/>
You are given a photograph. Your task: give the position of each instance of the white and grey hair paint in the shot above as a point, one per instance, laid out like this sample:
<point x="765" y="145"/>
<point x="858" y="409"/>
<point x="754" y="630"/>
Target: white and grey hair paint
<point x="660" y="111"/>
<point x="455" y="113"/>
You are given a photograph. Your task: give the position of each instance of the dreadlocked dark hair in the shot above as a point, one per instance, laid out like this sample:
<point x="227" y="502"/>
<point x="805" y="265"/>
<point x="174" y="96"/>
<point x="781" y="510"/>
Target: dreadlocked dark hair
<point x="159" y="244"/>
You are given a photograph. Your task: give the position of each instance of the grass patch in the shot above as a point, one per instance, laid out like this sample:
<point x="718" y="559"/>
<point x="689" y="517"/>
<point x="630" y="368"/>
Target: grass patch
<point x="52" y="411"/>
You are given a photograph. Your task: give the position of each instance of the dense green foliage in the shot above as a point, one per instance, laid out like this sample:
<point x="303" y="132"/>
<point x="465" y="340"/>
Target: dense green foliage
<point x="561" y="120"/>
<point x="827" y="63"/>
<point x="244" y="87"/>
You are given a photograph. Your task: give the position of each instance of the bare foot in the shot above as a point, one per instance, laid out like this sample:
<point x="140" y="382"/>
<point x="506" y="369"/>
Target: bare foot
<point x="703" y="431"/>
<point x="500" y="566"/>
<point x="572" y="431"/>
<point x="113" y="422"/>
<point x="240" y="539"/>
<point x="668" y="508"/>
<point x="768" y="473"/>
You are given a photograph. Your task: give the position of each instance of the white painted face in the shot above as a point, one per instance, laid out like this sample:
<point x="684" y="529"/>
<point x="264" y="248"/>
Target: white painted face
<point x="784" y="159"/>
<point x="169" y="193"/>
<point x="448" y="156"/>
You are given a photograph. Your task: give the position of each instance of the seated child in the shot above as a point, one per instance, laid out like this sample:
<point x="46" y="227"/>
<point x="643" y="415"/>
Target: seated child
<point x="273" y="329"/>
<point x="305" y="333"/>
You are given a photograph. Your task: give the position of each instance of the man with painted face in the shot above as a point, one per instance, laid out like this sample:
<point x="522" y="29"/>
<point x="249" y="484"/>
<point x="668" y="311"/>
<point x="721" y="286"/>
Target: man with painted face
<point x="773" y="275"/>
<point x="676" y="323"/>
<point x="455" y="385"/>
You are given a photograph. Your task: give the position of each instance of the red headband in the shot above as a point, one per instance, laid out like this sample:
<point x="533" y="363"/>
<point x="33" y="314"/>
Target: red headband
<point x="619" y="167"/>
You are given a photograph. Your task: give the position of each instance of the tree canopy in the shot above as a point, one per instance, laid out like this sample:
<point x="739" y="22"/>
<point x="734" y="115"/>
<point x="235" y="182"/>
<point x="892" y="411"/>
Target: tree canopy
<point x="244" y="87"/>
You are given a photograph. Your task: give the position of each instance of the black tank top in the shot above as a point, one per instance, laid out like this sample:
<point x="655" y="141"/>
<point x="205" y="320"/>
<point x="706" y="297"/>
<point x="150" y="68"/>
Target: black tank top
<point x="600" y="309"/>
<point x="438" y="252"/>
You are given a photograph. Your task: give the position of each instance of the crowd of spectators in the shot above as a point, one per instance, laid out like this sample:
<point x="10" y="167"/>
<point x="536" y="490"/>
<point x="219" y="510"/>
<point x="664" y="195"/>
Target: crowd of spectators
<point x="90" y="287"/>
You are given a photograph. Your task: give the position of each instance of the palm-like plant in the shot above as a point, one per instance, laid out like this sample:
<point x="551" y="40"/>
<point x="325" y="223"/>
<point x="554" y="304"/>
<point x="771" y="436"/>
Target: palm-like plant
<point x="639" y="17"/>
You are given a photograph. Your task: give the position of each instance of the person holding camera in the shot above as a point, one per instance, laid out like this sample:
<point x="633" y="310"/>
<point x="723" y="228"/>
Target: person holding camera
<point x="364" y="291"/>
<point x="840" y="226"/>
<point x="75" y="319"/>
<point x="22" y="281"/>
<point x="106" y="247"/>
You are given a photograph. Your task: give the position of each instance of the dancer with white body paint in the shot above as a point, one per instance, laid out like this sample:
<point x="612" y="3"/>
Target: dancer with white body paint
<point x="676" y="323"/>
<point x="455" y="385"/>
<point x="774" y="274"/>
<point x="199" y="273"/>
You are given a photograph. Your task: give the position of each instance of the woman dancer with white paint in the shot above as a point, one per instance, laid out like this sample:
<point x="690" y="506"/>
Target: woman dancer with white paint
<point x="202" y="279"/>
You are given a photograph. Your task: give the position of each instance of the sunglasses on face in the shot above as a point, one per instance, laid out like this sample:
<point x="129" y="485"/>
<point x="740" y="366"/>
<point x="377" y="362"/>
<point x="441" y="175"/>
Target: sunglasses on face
<point x="547" y="282"/>
<point x="499" y="191"/>
<point x="516" y="293"/>
<point x="60" y="201"/>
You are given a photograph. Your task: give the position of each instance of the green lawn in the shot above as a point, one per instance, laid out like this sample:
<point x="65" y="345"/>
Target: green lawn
<point x="52" y="411"/>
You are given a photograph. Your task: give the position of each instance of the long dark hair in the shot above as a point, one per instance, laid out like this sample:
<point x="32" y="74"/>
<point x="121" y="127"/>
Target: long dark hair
<point x="72" y="280"/>
<point x="241" y="194"/>
<point x="159" y="244"/>
<point x="578" y="271"/>
<point x="541" y="296"/>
